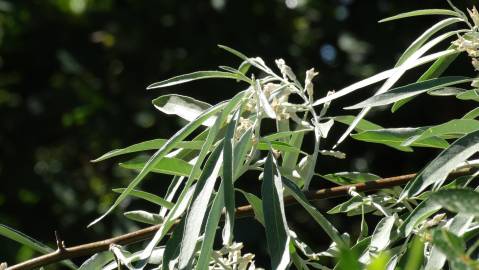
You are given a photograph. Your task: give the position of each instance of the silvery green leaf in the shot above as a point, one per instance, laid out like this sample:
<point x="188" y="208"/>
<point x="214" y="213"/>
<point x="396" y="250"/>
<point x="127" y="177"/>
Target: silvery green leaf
<point x="198" y="75"/>
<point x="149" y="145"/>
<point x="409" y="90"/>
<point x="452" y="129"/>
<point x="164" y="150"/>
<point x="147" y="196"/>
<point x="411" y="61"/>
<point x="97" y="261"/>
<point x="167" y="165"/>
<point x="325" y="127"/>
<point x="298" y="195"/>
<point x="421" y="12"/>
<point x="474" y="113"/>
<point x="472" y="94"/>
<point x="256" y="204"/>
<point x="382" y="76"/>
<point x="229" y="106"/>
<point x="462" y="201"/>
<point x="197" y="211"/>
<point x="381" y="237"/>
<point x="438" y="169"/>
<point x="276" y="226"/>
<point x="144" y="217"/>
<point x="434" y="71"/>
<point x="426" y="35"/>
<point x="395" y="137"/>
<point x="420" y="213"/>
<point x="185" y="107"/>
<point x="210" y="229"/>
<point x="347" y="178"/>
<point x="362" y="125"/>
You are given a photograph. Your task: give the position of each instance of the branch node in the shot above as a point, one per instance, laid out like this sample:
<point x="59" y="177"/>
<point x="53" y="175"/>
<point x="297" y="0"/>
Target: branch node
<point x="60" y="243"/>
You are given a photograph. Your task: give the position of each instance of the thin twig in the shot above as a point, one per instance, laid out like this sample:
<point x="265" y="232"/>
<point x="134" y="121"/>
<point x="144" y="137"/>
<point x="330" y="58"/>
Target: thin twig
<point x="242" y="211"/>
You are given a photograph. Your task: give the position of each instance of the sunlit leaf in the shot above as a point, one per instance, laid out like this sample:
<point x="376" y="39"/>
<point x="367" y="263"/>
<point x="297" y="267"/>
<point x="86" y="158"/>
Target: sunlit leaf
<point x="97" y="261"/>
<point x="197" y="211"/>
<point x="198" y="75"/>
<point x="420" y="213"/>
<point x="210" y="229"/>
<point x="395" y="137"/>
<point x="409" y="90"/>
<point x="167" y="165"/>
<point x="438" y="169"/>
<point x="147" y="196"/>
<point x="421" y="12"/>
<point x="347" y="178"/>
<point x="451" y="129"/>
<point x="185" y="107"/>
<point x="463" y="201"/>
<point x="434" y="71"/>
<point x="144" y="217"/>
<point x="149" y="145"/>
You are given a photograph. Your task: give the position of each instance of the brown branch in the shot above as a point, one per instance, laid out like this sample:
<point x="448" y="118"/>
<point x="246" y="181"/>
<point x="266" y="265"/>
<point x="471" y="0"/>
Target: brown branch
<point x="64" y="253"/>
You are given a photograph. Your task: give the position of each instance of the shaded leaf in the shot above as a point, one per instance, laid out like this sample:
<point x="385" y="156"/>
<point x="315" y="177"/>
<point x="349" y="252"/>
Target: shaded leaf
<point x="276" y="227"/>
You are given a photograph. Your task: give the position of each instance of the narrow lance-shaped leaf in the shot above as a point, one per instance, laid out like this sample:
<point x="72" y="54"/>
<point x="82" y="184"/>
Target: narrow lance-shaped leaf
<point x="298" y="195"/>
<point x="165" y="149"/>
<point x="144" y="217"/>
<point x="382" y="76"/>
<point x="395" y="137"/>
<point x="425" y="36"/>
<point x="30" y="242"/>
<point x="463" y="201"/>
<point x="421" y="12"/>
<point x="437" y="171"/>
<point x="411" y="61"/>
<point x="421" y="212"/>
<point x="256" y="204"/>
<point x="228" y="180"/>
<point x="147" y="196"/>
<point x="381" y="237"/>
<point x="199" y="204"/>
<point x="452" y="129"/>
<point x="172" y="248"/>
<point x="97" y="261"/>
<point x="434" y="71"/>
<point x="210" y="229"/>
<point x="185" y="107"/>
<point x="277" y="231"/>
<point x="198" y="75"/>
<point x="410" y="90"/>
<point x="149" y="145"/>
<point x="212" y="134"/>
<point x="167" y="165"/>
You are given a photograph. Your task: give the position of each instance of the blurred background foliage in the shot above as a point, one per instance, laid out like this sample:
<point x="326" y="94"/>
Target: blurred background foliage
<point x="72" y="86"/>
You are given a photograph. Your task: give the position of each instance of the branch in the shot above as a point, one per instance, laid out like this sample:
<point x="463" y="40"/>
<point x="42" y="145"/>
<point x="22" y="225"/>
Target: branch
<point x="64" y="253"/>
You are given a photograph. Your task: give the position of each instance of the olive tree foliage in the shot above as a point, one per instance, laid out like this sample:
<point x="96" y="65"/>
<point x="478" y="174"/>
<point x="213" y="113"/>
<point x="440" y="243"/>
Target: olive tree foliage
<point x="428" y="224"/>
